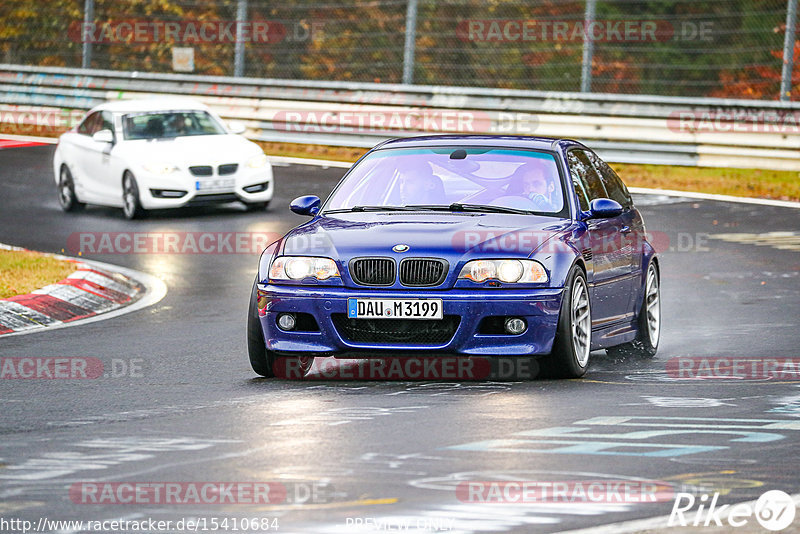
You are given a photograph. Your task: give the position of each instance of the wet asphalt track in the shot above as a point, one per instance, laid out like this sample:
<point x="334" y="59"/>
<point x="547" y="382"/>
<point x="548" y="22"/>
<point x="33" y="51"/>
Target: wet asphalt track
<point x="393" y="451"/>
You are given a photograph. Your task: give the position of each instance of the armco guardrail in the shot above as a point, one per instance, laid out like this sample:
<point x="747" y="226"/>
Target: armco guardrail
<point x="623" y="128"/>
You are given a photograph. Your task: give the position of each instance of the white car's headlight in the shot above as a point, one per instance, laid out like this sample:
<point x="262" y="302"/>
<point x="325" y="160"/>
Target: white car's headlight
<point x="256" y="162"/>
<point x="300" y="267"/>
<point x="159" y="167"/>
<point x="508" y="271"/>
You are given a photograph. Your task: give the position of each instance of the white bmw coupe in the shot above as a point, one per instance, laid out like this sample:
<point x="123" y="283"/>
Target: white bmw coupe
<point x="158" y="153"/>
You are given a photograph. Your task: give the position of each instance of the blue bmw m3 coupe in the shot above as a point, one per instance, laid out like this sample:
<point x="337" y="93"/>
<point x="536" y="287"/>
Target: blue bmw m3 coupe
<point x="462" y="246"/>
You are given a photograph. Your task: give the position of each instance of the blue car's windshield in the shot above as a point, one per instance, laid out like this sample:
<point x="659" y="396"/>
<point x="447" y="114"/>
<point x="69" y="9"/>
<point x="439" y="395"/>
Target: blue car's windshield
<point x="503" y="178"/>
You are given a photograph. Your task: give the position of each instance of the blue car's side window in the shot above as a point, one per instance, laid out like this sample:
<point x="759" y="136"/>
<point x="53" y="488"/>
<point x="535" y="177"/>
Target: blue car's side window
<point x="614" y="187"/>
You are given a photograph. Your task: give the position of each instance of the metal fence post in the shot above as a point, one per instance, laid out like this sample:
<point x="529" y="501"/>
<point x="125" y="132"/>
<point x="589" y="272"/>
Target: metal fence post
<point x="788" y="50"/>
<point x="588" y="48"/>
<point x="241" y="18"/>
<point x="88" y="18"/>
<point x="411" y="42"/>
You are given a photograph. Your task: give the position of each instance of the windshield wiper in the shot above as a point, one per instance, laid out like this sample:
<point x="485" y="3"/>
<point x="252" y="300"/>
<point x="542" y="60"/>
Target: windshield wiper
<point x="457" y="206"/>
<point x="372" y="208"/>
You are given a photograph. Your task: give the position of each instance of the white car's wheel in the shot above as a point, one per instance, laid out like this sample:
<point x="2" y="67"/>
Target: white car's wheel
<point x="66" y="191"/>
<point x="130" y="198"/>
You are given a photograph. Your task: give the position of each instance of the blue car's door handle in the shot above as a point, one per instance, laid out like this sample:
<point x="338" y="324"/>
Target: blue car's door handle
<point x="625" y="229"/>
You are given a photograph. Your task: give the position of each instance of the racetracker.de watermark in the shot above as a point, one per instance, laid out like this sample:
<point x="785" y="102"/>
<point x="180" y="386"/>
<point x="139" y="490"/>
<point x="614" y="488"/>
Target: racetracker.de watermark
<point x="410" y="368"/>
<point x="603" y="31"/>
<point x="26" y="119"/>
<point x="135" y="31"/>
<point x="169" y="242"/>
<point x="500" y="240"/>
<point x="563" y="491"/>
<point x="700" y="367"/>
<point x="69" y="368"/>
<point x="403" y="120"/>
<point x="200" y="493"/>
<point x="734" y="121"/>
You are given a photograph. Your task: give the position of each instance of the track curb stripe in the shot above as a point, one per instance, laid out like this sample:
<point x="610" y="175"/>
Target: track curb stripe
<point x="55" y="308"/>
<point x="93" y="289"/>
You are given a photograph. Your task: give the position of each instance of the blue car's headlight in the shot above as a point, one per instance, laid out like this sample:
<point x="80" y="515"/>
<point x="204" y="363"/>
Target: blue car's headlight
<point x="508" y="271"/>
<point x="300" y="267"/>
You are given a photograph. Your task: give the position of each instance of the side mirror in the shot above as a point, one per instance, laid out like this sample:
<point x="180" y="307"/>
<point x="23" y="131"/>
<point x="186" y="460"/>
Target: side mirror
<point x="604" y="208"/>
<point x="103" y="136"/>
<point x="237" y="127"/>
<point x="307" y="205"/>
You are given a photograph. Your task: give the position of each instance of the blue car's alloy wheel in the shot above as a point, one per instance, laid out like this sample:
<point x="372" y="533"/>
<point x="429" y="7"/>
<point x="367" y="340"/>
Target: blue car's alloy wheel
<point x="570" y="355"/>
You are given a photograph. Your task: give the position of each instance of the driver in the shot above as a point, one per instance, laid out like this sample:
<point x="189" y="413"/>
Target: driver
<point x="532" y="182"/>
<point x="181" y="128"/>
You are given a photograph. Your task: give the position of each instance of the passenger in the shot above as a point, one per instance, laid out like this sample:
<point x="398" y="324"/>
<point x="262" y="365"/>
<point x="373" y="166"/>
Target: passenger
<point x="421" y="186"/>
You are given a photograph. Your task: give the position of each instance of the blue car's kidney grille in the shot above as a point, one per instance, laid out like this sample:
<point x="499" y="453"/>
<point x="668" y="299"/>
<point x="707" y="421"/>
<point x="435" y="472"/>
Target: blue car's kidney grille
<point x="372" y="271"/>
<point x="421" y="272"/>
<point x="399" y="331"/>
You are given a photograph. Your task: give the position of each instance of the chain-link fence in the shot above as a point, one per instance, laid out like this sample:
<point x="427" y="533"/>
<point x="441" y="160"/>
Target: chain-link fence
<point x="720" y="48"/>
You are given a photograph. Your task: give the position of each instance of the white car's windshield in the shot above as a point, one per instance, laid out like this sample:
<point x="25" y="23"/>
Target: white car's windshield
<point x="500" y="178"/>
<point x="157" y="125"/>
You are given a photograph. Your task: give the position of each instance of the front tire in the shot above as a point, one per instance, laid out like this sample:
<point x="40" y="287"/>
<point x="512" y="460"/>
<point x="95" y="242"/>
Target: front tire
<point x="263" y="360"/>
<point x="66" y="191"/>
<point x="131" y="206"/>
<point x="572" y="345"/>
<point x="645" y="345"/>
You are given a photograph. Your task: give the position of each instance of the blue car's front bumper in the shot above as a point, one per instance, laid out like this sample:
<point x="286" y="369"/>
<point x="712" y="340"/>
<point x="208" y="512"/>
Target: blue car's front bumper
<point x="328" y="306"/>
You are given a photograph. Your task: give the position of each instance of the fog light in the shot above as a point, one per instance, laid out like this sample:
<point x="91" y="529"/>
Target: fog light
<point x="515" y="325"/>
<point x="286" y="321"/>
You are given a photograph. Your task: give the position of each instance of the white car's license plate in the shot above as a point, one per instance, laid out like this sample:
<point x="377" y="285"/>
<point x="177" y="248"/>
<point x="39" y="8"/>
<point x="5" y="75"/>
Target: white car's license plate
<point x="214" y="185"/>
<point x="394" y="309"/>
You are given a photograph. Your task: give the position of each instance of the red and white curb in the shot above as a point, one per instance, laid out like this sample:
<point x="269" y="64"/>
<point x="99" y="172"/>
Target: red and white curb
<point x="93" y="292"/>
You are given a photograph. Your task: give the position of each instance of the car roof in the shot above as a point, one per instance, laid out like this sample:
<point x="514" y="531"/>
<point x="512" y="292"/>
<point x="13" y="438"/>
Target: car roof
<point x="513" y="141"/>
<point x="141" y="105"/>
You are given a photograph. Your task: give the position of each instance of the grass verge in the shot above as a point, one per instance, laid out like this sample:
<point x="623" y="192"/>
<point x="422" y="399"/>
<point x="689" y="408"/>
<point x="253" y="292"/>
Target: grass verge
<point x="23" y="271"/>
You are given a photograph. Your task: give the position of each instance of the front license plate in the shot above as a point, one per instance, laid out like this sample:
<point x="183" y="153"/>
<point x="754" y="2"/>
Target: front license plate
<point x="394" y="309"/>
<point x="214" y="185"/>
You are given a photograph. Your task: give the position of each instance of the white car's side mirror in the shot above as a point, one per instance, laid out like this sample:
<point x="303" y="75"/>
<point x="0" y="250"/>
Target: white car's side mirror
<point x="236" y="127"/>
<point x="103" y="136"/>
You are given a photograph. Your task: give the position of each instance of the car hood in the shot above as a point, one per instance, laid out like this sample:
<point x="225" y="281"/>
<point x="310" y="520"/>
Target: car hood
<point x="193" y="150"/>
<point x="452" y="236"/>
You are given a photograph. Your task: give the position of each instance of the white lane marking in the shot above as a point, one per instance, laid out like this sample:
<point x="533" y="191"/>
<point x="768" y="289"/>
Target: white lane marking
<point x="712" y="196"/>
<point x="686" y="402"/>
<point x="105" y="453"/>
<point x="340" y="416"/>
<point x="778" y="240"/>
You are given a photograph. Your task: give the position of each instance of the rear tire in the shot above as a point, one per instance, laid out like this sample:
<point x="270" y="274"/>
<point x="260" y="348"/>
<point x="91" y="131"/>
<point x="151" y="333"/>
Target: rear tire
<point x="131" y="206"/>
<point x="570" y="355"/>
<point x="66" y="191"/>
<point x="645" y="345"/>
<point x="263" y="360"/>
